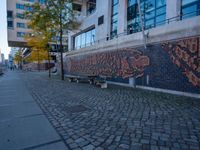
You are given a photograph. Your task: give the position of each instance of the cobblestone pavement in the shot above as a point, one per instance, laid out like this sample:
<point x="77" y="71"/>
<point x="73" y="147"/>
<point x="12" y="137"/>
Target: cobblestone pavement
<point x="88" y="117"/>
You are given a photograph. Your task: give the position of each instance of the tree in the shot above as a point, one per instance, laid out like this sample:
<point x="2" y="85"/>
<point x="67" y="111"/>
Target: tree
<point x="18" y="58"/>
<point x="39" y="51"/>
<point x="40" y="23"/>
<point x="52" y="18"/>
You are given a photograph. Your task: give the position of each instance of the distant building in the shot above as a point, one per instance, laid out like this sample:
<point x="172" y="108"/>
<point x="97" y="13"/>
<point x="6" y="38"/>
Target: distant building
<point x="0" y="56"/>
<point x="13" y="51"/>
<point x="17" y="26"/>
<point x="2" y="59"/>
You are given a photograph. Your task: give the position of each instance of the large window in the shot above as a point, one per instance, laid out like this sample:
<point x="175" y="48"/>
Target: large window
<point x="91" y="6"/>
<point x="84" y="39"/>
<point x="114" y="18"/>
<point x="190" y="8"/>
<point x="153" y="13"/>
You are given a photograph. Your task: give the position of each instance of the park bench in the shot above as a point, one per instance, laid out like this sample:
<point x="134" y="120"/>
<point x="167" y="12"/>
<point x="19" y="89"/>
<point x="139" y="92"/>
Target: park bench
<point x="92" y="79"/>
<point x="82" y="78"/>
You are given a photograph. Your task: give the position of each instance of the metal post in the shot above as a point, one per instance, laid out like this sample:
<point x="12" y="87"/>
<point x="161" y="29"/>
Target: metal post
<point x="142" y="25"/>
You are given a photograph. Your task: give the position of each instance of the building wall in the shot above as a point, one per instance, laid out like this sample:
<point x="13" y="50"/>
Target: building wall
<point x="88" y="21"/>
<point x="13" y="40"/>
<point x="171" y="60"/>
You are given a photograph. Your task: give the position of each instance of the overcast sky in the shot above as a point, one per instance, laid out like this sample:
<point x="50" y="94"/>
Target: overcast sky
<point x="3" y="29"/>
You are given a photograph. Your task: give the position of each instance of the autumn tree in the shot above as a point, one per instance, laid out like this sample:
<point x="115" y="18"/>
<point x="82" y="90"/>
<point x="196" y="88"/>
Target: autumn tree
<point x="18" y="58"/>
<point x="39" y="52"/>
<point x="53" y="18"/>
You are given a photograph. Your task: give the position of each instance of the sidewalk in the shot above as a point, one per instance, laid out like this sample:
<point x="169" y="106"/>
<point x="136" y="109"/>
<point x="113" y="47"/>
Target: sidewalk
<point x="23" y="125"/>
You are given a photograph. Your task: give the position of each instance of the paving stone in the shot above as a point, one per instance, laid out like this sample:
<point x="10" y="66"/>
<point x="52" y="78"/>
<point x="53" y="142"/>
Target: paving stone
<point x="124" y="146"/>
<point x="89" y="147"/>
<point x="117" y="116"/>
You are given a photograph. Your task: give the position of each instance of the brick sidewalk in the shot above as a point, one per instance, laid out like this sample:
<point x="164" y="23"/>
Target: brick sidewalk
<point x="88" y="117"/>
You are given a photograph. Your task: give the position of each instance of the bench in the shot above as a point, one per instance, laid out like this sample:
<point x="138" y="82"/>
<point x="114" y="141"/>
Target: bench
<point x="92" y="79"/>
<point x="78" y="79"/>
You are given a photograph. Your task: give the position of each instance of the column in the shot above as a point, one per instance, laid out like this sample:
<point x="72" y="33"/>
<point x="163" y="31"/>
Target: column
<point x="122" y="16"/>
<point x="173" y="8"/>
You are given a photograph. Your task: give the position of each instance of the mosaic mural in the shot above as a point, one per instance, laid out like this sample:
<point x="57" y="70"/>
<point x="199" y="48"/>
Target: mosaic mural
<point x="185" y="54"/>
<point x="124" y="63"/>
<point x="171" y="65"/>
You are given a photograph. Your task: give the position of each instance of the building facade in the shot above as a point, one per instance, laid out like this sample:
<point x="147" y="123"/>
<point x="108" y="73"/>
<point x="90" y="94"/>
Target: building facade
<point x="164" y="53"/>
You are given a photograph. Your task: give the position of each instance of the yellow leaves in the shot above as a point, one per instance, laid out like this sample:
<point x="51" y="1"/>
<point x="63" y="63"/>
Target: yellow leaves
<point x="37" y="55"/>
<point x="39" y="50"/>
<point x="18" y="57"/>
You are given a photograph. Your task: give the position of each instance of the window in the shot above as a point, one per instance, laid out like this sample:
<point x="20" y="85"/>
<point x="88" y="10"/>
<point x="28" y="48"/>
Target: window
<point x="154" y="14"/>
<point x="100" y="20"/>
<point x="114" y="19"/>
<point x="9" y="14"/>
<point x="76" y="7"/>
<point x="20" y="6"/>
<point x="20" y="25"/>
<point x="84" y="39"/>
<point x="190" y="8"/>
<point x="91" y="6"/>
<point x="19" y="15"/>
<point x="29" y="8"/>
<point x="42" y="2"/>
<point x="20" y="34"/>
<point x="10" y="24"/>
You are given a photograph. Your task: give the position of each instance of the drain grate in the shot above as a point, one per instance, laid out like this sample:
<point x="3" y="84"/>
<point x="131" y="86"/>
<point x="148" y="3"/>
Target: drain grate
<point x="76" y="109"/>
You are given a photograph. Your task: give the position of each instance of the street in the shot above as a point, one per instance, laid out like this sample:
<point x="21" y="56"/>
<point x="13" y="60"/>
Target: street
<point x="87" y="117"/>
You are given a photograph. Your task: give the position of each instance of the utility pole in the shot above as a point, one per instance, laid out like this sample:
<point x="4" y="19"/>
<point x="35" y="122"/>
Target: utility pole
<point x="61" y="46"/>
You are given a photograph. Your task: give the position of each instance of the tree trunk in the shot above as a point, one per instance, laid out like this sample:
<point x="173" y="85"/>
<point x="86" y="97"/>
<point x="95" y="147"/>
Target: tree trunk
<point x="49" y="67"/>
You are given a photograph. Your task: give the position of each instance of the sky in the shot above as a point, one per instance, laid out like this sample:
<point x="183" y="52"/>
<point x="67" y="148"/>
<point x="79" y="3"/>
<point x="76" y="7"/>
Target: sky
<point x="3" y="29"/>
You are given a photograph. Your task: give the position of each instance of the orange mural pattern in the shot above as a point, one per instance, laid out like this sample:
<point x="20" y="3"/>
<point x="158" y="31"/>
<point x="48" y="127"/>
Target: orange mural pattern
<point x="122" y="63"/>
<point x="186" y="55"/>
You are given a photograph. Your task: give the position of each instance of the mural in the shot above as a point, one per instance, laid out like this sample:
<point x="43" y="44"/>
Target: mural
<point x="173" y="65"/>
<point x="185" y="54"/>
<point x="124" y="63"/>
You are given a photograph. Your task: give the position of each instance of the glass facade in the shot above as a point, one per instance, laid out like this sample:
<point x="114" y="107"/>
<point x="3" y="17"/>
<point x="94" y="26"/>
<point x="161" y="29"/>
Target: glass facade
<point x="153" y="13"/>
<point x="84" y="39"/>
<point x="190" y="8"/>
<point x="114" y="18"/>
